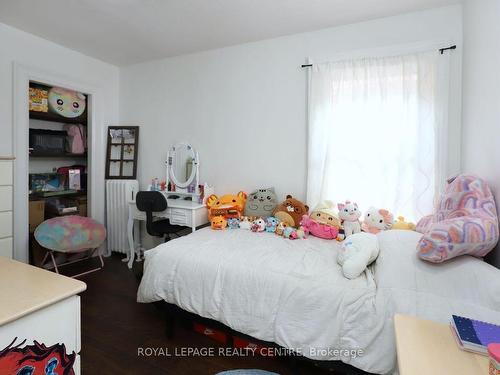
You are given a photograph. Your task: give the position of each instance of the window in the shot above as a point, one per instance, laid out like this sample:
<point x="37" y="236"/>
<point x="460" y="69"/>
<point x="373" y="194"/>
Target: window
<point x="374" y="133"/>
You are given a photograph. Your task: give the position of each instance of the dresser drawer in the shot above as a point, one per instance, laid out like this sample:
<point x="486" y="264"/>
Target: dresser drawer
<point x="5" y="198"/>
<point x="5" y="224"/>
<point x="6" y="247"/>
<point x="5" y="172"/>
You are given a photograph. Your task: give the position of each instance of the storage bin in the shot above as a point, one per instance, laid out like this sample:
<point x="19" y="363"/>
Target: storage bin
<point x="47" y="141"/>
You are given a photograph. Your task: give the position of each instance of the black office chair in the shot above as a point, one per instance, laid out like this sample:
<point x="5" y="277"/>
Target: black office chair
<point x="154" y="201"/>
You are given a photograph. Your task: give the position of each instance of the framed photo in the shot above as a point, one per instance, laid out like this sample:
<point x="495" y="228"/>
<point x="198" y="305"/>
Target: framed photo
<point x="121" y="159"/>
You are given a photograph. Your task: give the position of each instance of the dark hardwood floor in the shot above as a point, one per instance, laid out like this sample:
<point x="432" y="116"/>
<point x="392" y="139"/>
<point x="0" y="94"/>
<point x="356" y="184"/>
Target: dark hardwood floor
<point x="114" y="326"/>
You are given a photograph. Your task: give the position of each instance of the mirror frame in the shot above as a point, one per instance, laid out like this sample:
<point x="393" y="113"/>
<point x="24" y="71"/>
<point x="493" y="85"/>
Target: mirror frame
<point x="194" y="169"/>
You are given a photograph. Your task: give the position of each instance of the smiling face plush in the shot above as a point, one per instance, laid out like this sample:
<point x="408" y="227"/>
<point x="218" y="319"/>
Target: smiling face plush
<point x="290" y="211"/>
<point x="261" y="203"/>
<point x="67" y="103"/>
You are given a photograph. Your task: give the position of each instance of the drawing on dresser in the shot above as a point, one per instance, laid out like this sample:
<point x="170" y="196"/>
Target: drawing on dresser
<point x="36" y="359"/>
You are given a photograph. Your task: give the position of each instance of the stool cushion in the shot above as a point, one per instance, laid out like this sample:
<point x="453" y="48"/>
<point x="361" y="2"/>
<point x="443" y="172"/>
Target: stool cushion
<point x="70" y="234"/>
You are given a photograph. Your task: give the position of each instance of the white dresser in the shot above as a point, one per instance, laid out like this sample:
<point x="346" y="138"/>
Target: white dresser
<point x="6" y="198"/>
<point x="36" y="304"/>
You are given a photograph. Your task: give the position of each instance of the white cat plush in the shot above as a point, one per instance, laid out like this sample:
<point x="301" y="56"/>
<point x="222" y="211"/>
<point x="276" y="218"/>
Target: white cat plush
<point x="357" y="252"/>
<point x="377" y="220"/>
<point x="349" y="213"/>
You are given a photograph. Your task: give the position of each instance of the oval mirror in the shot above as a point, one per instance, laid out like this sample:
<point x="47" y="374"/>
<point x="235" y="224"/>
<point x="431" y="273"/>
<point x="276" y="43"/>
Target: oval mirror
<point x="183" y="168"/>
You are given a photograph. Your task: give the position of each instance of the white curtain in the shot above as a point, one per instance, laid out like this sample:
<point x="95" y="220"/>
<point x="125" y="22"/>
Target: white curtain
<point x="377" y="132"/>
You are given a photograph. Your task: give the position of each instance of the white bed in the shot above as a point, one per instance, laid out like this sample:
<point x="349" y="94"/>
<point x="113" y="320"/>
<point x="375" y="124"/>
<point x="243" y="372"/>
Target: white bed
<point x="293" y="292"/>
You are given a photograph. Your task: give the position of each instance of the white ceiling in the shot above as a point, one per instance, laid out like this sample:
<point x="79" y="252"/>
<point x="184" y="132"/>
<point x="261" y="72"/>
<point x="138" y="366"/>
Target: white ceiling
<point x="124" y="32"/>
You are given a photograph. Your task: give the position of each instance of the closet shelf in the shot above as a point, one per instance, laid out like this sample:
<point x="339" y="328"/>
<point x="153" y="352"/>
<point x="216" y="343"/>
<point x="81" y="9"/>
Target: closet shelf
<point x="57" y="155"/>
<point x="53" y="117"/>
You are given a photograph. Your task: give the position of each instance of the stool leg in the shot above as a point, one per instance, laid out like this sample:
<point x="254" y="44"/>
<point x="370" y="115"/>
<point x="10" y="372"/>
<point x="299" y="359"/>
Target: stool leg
<point x="51" y="253"/>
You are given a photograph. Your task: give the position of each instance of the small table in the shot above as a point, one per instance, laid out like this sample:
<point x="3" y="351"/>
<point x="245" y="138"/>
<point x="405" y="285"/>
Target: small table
<point x="179" y="212"/>
<point x="427" y="347"/>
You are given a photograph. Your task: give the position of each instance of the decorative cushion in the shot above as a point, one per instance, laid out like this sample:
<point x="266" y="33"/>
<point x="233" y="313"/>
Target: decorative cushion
<point x="465" y="222"/>
<point x="70" y="233"/>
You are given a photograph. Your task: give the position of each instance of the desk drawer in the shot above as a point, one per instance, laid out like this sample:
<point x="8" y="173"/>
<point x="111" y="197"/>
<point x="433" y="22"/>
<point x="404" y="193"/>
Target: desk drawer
<point x="179" y="216"/>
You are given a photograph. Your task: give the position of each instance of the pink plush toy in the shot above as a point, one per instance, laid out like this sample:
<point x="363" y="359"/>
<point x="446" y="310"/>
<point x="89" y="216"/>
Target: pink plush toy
<point x="327" y="232"/>
<point x="377" y="220"/>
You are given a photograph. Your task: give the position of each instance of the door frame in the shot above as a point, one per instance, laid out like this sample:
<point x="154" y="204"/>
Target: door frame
<point x="22" y="75"/>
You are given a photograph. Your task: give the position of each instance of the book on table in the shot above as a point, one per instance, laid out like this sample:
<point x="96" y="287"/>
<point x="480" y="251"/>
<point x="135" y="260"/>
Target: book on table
<point x="474" y="335"/>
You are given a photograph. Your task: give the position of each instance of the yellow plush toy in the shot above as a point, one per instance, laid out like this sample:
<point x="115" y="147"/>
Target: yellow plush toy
<point x="402" y="224"/>
<point x="218" y="222"/>
<point x="228" y="205"/>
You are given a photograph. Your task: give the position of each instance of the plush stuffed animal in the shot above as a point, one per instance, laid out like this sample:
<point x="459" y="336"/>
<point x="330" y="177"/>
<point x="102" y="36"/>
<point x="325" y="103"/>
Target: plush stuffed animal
<point x="245" y="223"/>
<point x="258" y="225"/>
<point x="271" y="224"/>
<point x="323" y="221"/>
<point x="327" y="232"/>
<point x="67" y="103"/>
<point x="349" y="214"/>
<point x="280" y="228"/>
<point x="290" y="211"/>
<point x="290" y="233"/>
<point x="233" y="223"/>
<point x="357" y="252"/>
<point x="377" y="220"/>
<point x="218" y="222"/>
<point x="402" y="224"/>
<point x="228" y="205"/>
<point x="261" y="203"/>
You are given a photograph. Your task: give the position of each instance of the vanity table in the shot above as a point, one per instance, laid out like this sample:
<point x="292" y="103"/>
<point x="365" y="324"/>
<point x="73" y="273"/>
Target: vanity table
<point x="185" y="210"/>
<point x="179" y="212"/>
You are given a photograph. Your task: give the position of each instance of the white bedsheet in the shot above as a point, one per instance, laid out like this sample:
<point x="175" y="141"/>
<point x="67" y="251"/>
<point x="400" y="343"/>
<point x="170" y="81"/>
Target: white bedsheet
<point x="293" y="292"/>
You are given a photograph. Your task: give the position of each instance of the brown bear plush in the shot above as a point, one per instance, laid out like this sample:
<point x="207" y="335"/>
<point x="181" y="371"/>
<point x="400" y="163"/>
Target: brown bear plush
<point x="290" y="211"/>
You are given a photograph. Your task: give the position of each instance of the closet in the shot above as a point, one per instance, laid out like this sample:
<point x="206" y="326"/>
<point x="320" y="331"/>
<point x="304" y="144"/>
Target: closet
<point x="58" y="157"/>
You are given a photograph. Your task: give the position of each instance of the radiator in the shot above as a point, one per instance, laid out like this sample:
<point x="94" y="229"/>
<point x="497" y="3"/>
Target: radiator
<point x="118" y="194"/>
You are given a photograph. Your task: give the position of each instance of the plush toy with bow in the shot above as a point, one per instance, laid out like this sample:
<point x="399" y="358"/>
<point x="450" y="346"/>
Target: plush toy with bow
<point x="377" y="220"/>
<point x="349" y="215"/>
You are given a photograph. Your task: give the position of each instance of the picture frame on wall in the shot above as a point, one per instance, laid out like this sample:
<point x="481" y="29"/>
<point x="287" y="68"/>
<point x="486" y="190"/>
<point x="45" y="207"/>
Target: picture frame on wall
<point x="121" y="155"/>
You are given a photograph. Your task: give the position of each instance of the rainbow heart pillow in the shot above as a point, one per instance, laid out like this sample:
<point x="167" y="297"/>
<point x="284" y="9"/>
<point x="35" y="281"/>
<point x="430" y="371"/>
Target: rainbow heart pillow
<point x="465" y="222"/>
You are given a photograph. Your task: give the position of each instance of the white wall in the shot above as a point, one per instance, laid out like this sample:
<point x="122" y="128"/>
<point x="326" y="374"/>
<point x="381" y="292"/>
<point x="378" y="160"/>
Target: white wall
<point x="244" y="107"/>
<point x="67" y="65"/>
<point x="481" y="94"/>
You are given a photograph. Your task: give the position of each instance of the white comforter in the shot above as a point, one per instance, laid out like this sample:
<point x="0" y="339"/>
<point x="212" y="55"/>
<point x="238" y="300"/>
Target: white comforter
<point x="293" y="292"/>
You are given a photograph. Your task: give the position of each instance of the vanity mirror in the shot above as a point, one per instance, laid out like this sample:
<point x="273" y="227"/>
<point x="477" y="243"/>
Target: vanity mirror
<point x="183" y="169"/>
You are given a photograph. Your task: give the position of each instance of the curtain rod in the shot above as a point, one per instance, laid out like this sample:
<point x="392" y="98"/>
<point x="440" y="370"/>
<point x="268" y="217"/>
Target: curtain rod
<point x="441" y="51"/>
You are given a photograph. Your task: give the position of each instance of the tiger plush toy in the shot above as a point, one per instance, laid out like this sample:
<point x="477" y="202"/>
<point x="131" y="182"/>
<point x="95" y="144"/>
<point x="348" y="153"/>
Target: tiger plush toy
<point x="227" y="205"/>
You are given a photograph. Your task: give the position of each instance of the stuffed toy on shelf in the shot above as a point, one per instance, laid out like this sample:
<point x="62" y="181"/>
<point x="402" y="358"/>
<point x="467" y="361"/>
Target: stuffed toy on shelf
<point x="291" y="211"/>
<point x="357" y="252"/>
<point x="377" y="220"/>
<point x="349" y="215"/>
